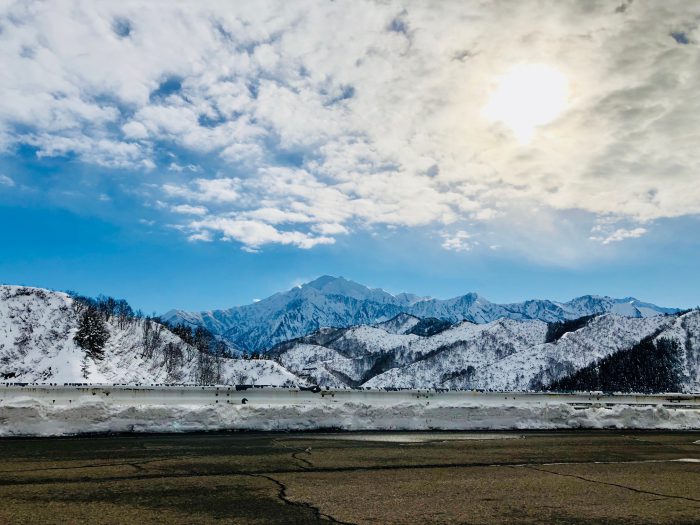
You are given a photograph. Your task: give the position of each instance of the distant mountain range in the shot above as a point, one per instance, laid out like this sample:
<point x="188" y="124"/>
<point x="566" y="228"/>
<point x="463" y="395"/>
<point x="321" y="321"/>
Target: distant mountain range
<point x="590" y="343"/>
<point x="340" y="303"/>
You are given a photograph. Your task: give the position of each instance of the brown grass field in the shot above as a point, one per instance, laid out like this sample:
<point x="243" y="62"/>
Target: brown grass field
<point x="614" y="477"/>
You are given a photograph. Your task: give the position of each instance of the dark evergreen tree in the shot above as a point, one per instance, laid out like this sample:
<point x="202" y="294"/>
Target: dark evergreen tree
<point x="203" y="340"/>
<point x="92" y="334"/>
<point x="652" y="366"/>
<point x="557" y="329"/>
<point x="430" y="326"/>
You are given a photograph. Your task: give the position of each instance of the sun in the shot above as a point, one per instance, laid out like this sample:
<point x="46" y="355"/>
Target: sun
<point x="528" y="96"/>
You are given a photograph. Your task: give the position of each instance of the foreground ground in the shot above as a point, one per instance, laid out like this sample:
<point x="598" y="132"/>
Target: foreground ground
<point x="573" y="477"/>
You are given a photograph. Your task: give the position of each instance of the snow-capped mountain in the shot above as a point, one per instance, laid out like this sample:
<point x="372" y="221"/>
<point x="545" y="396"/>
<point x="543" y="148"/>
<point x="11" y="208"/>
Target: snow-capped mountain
<point x="325" y="302"/>
<point x="340" y="303"/>
<point x="37" y="329"/>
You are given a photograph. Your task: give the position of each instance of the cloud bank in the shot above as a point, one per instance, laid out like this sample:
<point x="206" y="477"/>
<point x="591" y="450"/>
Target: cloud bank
<point x="323" y="118"/>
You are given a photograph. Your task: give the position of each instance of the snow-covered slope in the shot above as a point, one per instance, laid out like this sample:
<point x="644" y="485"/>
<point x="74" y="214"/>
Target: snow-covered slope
<point x="36" y="335"/>
<point x="686" y="331"/>
<point x="401" y="324"/>
<point x="337" y="302"/>
<point x="542" y="364"/>
<point x="349" y="359"/>
<point x="500" y="355"/>
<point x="371" y="356"/>
<point x="361" y="340"/>
<point x="450" y="359"/>
<point x="36" y="345"/>
<point x="322" y="366"/>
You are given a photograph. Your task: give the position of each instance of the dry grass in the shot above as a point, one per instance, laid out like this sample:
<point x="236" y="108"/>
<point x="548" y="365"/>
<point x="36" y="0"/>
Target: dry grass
<point x="273" y="478"/>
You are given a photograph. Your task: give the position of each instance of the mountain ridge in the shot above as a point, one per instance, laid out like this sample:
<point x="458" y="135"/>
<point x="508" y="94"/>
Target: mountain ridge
<point x="340" y="303"/>
<point x="503" y="355"/>
<point x="38" y="343"/>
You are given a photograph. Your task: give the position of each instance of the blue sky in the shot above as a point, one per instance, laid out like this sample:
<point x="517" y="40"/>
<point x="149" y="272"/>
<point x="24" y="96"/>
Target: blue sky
<point x="93" y="253"/>
<point x="200" y="156"/>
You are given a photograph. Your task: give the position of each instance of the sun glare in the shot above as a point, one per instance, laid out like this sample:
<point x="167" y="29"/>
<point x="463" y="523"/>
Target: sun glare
<point x="528" y="96"/>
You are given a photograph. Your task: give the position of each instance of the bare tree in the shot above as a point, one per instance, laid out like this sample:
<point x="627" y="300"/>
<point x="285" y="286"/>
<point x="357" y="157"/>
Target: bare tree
<point x="152" y="333"/>
<point x="220" y="353"/>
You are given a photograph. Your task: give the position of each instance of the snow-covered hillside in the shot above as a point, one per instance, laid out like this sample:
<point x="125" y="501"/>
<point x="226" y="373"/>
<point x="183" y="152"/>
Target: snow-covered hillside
<point x="337" y="302"/>
<point x="541" y="364"/>
<point x="686" y="331"/>
<point x="36" y="345"/>
<point x="450" y="359"/>
<point x="349" y="359"/>
<point x="500" y="355"/>
<point x="401" y="324"/>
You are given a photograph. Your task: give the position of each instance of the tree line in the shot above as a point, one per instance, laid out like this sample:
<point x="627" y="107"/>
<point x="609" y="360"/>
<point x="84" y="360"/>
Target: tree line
<point x="95" y="315"/>
<point x="651" y="366"/>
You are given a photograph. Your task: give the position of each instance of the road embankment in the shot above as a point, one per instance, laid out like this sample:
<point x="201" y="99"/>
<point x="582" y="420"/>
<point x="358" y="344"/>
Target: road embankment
<point x="31" y="410"/>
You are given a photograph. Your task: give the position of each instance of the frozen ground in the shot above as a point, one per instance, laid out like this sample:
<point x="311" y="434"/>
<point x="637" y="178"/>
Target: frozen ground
<point x="64" y="410"/>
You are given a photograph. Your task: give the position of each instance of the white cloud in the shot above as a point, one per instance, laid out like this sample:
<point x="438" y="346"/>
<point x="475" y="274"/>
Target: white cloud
<point x="134" y="130"/>
<point x="485" y="214"/>
<point x="206" y="190"/>
<point x="6" y="181"/>
<point x="187" y="209"/>
<point x="174" y="166"/>
<point x="459" y="241"/>
<point x="203" y="236"/>
<point x="620" y="234"/>
<point x="321" y="120"/>
<point x="101" y="151"/>
<point x="253" y="234"/>
<point x="330" y="228"/>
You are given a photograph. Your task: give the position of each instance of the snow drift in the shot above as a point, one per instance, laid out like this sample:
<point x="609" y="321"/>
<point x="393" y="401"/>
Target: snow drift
<point x="52" y="411"/>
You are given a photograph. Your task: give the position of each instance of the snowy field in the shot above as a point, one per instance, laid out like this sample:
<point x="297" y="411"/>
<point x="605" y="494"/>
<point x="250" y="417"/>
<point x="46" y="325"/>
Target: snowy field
<point x="64" y="410"/>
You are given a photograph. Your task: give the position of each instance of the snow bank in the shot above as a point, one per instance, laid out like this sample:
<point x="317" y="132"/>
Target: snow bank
<point x="51" y="411"/>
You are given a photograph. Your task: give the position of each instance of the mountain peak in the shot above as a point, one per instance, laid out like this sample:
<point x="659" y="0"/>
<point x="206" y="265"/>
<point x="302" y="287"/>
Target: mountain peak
<point x="329" y="285"/>
<point x="321" y="282"/>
